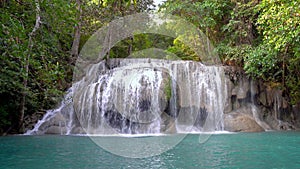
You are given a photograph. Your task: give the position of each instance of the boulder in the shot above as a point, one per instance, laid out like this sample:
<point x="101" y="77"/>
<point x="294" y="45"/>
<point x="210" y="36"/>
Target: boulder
<point x="58" y="120"/>
<point x="78" y="130"/>
<point x="238" y="122"/>
<point x="56" y="130"/>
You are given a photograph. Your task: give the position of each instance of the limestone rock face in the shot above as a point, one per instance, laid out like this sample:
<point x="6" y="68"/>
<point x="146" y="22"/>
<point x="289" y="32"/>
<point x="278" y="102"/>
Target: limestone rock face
<point x="55" y="125"/>
<point x="238" y="122"/>
<point x="138" y="96"/>
<point x="266" y="105"/>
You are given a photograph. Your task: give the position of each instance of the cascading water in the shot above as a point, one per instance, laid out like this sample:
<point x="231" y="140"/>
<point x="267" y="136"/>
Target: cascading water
<point x="60" y="117"/>
<point x="255" y="110"/>
<point x="143" y="96"/>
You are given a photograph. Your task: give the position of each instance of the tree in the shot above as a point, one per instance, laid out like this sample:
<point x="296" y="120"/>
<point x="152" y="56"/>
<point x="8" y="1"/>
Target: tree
<point x="34" y="66"/>
<point x="26" y="65"/>
<point x="260" y="36"/>
<point x="208" y="15"/>
<point x="277" y="57"/>
<point x="38" y="41"/>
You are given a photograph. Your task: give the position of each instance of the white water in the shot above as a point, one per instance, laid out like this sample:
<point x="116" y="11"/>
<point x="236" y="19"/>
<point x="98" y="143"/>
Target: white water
<point x="255" y="110"/>
<point x="133" y="98"/>
<point x="49" y="114"/>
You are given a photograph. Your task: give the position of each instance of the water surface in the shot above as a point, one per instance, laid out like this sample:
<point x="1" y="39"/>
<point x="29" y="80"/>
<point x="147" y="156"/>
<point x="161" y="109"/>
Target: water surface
<point x="243" y="150"/>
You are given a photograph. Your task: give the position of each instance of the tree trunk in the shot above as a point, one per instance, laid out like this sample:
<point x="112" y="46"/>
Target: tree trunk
<point x="76" y="40"/>
<point x="284" y="66"/>
<point x="130" y="46"/>
<point x="26" y="66"/>
<point x="106" y="47"/>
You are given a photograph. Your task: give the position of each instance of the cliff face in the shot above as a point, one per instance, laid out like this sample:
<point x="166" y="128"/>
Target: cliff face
<point x="254" y="106"/>
<point x="176" y="93"/>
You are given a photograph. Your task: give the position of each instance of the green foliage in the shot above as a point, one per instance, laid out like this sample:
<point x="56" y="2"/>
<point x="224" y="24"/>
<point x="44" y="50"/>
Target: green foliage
<point x="182" y="51"/>
<point x="48" y="59"/>
<point x="260" y="36"/>
<point x="140" y="42"/>
<point x="233" y="55"/>
<point x="96" y="14"/>
<point x="48" y="51"/>
<point x="279" y="25"/>
<point x="4" y="116"/>
<point x="263" y="37"/>
<point x="239" y="28"/>
<point x="207" y="15"/>
<point x="168" y="89"/>
<point x="259" y="62"/>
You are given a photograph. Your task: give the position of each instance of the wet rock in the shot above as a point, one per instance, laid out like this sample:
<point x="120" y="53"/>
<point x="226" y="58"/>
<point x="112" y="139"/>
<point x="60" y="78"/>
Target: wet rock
<point x="228" y="101"/>
<point x="285" y="126"/>
<point x="262" y="98"/>
<point x="167" y="124"/>
<point x="296" y="114"/>
<point x="238" y="122"/>
<point x="56" y="130"/>
<point x="31" y="120"/>
<point x="58" y="120"/>
<point x="243" y="88"/>
<point x="196" y="86"/>
<point x="78" y="130"/>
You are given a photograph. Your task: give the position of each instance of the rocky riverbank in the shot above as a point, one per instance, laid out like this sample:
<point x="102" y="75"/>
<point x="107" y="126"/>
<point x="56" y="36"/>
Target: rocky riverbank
<point x="255" y="106"/>
<point x="249" y="105"/>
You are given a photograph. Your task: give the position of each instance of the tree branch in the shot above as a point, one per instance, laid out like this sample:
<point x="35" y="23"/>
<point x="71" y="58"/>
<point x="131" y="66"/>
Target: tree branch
<point x="37" y="18"/>
<point x="77" y="34"/>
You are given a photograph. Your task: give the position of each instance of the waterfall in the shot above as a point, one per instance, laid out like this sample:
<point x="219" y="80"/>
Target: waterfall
<point x="59" y="118"/>
<point x="255" y="109"/>
<point x="142" y="96"/>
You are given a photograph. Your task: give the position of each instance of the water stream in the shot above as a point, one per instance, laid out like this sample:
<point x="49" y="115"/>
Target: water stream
<point x="142" y="96"/>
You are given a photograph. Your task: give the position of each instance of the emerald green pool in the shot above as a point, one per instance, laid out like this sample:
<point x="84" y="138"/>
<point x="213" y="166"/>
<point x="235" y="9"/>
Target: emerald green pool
<point x="242" y="150"/>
